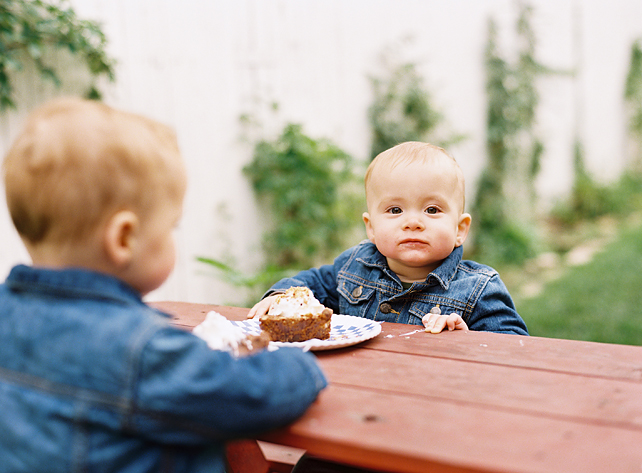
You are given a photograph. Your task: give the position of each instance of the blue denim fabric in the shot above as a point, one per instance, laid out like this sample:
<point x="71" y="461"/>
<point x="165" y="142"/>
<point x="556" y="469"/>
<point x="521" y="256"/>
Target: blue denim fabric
<point x="360" y="283"/>
<point x="92" y="379"/>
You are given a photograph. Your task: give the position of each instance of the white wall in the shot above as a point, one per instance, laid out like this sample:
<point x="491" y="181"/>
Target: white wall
<point x="197" y="65"/>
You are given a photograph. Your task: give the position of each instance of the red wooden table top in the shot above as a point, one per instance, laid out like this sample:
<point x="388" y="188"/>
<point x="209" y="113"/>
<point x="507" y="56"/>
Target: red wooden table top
<point x="409" y="401"/>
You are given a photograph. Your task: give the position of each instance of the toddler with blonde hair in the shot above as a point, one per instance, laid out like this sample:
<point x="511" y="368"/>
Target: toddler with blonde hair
<point x="92" y="378"/>
<point x="410" y="270"/>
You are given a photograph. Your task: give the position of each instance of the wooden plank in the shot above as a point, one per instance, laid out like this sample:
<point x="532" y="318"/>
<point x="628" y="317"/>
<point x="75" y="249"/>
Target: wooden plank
<point x="281" y="459"/>
<point x="569" y="356"/>
<point x="406" y="433"/>
<point x="538" y="392"/>
<point x="459" y="401"/>
<point x="245" y="456"/>
<point x="189" y="315"/>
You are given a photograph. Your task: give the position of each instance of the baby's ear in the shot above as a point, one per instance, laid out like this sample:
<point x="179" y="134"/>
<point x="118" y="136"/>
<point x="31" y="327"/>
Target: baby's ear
<point x="369" y="229"/>
<point x="462" y="229"/>
<point x="120" y="237"/>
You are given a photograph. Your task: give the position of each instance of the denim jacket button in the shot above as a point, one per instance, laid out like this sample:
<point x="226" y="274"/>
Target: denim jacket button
<point x="357" y="291"/>
<point x="385" y="308"/>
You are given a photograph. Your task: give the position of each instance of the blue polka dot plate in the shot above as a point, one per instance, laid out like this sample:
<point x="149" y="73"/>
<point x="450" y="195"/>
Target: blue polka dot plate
<point x="345" y="330"/>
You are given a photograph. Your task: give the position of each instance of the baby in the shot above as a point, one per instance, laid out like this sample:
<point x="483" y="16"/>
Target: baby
<point x="91" y="378"/>
<point x="410" y="270"/>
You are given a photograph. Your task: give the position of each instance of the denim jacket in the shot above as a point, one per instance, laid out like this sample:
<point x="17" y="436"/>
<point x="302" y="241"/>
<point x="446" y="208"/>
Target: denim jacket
<point x="94" y="380"/>
<point x="360" y="283"/>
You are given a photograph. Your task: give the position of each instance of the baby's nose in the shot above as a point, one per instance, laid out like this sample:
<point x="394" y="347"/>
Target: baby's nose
<point x="413" y="223"/>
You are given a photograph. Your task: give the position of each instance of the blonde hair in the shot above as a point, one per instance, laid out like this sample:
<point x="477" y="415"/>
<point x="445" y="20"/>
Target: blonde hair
<point x="78" y="161"/>
<point x="415" y="151"/>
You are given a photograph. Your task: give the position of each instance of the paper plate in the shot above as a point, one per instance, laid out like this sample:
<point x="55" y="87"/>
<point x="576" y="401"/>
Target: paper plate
<point x="346" y="330"/>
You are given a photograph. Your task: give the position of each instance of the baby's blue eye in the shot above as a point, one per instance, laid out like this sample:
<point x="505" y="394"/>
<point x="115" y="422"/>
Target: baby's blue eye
<point x="431" y="210"/>
<point x="395" y="210"/>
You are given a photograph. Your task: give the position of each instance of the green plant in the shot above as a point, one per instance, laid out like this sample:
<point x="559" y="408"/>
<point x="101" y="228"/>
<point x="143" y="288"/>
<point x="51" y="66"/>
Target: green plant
<point x="310" y="188"/>
<point x="30" y="28"/>
<point x="255" y="283"/>
<point x="590" y="200"/>
<point x="402" y="110"/>
<point x="313" y="201"/>
<point x="633" y="100"/>
<point x="504" y="204"/>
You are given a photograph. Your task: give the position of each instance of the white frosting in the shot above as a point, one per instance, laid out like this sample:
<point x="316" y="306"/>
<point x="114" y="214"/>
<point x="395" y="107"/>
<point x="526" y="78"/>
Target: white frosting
<point x="295" y="302"/>
<point x="219" y="333"/>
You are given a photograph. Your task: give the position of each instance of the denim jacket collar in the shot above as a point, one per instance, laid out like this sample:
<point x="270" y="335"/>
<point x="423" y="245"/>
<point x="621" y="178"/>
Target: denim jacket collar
<point x="443" y="274"/>
<point x="71" y="283"/>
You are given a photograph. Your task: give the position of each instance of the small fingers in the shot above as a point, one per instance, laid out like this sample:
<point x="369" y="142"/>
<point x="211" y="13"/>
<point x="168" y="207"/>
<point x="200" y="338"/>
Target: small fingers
<point x="455" y="322"/>
<point x="436" y="323"/>
<point x="260" y="308"/>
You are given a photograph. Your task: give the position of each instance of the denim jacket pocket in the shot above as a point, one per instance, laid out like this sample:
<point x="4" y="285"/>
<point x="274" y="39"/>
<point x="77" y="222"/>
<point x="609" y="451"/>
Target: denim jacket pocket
<point x="356" y="297"/>
<point x="446" y="306"/>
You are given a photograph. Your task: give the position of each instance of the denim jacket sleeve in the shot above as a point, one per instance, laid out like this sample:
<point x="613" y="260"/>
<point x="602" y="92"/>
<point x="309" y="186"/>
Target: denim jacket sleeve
<point x="189" y="392"/>
<point x="495" y="311"/>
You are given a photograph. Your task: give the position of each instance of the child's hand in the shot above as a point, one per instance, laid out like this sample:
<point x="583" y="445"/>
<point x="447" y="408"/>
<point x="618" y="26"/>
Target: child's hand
<point x="435" y="322"/>
<point x="261" y="307"/>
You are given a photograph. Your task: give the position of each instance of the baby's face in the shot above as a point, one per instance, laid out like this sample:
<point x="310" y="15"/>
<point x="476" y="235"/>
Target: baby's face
<point x="415" y="216"/>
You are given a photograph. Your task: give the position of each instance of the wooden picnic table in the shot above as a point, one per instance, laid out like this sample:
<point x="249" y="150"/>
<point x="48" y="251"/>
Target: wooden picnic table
<point x="463" y="401"/>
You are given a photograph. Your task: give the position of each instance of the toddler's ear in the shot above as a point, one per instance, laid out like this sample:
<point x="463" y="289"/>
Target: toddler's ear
<point x="120" y="237"/>
<point x="369" y="229"/>
<point x="462" y="229"/>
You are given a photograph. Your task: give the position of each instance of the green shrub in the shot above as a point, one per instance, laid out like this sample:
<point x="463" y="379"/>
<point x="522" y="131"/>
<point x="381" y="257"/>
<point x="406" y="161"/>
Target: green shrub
<point x="311" y="189"/>
<point x="590" y="200"/>
<point x="313" y="202"/>
<point x="633" y="102"/>
<point x="29" y="28"/>
<point x="401" y="110"/>
<point x="504" y="204"/>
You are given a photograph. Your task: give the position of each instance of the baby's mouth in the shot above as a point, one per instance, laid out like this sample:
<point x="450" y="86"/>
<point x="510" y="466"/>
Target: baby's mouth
<point x="413" y="242"/>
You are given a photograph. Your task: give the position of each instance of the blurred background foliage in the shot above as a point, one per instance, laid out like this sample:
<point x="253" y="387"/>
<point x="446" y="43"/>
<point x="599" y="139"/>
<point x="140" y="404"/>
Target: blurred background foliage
<point x="311" y="190"/>
<point x="504" y="209"/>
<point x="311" y="187"/>
<point x="403" y="110"/>
<point x="597" y="301"/>
<point x="30" y="29"/>
<point x="312" y="195"/>
<point x="633" y="102"/>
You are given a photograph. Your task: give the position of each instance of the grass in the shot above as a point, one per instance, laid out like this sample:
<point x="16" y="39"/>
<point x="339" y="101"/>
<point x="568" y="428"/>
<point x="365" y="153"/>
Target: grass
<point x="599" y="301"/>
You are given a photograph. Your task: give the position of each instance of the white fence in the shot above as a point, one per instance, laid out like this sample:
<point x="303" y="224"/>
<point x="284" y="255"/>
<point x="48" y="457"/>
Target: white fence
<point x="197" y="65"/>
